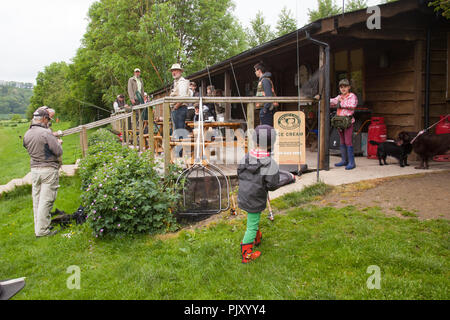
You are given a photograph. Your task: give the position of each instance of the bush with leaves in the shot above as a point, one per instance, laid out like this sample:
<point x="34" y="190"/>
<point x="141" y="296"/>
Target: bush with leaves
<point x="104" y="147"/>
<point x="129" y="196"/>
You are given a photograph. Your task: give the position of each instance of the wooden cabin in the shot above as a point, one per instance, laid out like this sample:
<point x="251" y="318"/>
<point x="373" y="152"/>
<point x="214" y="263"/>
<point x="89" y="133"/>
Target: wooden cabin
<point x="399" y="72"/>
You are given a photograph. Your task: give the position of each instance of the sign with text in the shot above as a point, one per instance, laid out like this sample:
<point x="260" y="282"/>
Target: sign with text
<point x="290" y="142"/>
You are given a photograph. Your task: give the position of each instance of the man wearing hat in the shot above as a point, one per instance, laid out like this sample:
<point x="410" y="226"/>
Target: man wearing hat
<point x="119" y="104"/>
<point x="45" y="150"/>
<point x="179" y="109"/>
<point x="136" y="88"/>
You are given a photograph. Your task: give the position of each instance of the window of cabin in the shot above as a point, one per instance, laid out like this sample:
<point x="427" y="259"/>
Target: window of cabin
<point x="350" y="64"/>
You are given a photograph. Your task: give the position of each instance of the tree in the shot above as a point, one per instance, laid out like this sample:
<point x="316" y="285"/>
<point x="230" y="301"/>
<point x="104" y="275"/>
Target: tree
<point x="354" y="5"/>
<point x="51" y="89"/>
<point x="259" y="31"/>
<point x="441" y="5"/>
<point x="326" y="8"/>
<point x="286" y="23"/>
<point x="146" y="34"/>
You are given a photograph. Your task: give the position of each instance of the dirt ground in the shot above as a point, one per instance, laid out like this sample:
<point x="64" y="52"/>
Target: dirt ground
<point x="424" y="195"/>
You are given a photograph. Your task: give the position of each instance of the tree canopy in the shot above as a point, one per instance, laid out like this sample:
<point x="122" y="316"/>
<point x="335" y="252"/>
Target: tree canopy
<point x="146" y="34"/>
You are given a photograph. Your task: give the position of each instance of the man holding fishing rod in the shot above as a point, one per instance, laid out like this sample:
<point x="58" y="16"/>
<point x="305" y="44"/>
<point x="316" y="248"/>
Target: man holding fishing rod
<point x="45" y="150"/>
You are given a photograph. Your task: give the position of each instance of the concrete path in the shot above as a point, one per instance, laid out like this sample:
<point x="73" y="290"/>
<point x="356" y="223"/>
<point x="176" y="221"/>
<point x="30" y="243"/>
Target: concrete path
<point x="67" y="169"/>
<point x="366" y="169"/>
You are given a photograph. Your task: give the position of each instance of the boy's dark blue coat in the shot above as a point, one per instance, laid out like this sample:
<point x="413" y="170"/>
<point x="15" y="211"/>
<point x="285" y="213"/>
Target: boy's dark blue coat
<point x="256" y="178"/>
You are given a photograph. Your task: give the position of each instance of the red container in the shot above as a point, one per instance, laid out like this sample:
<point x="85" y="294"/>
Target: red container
<point x="377" y="132"/>
<point x="443" y="127"/>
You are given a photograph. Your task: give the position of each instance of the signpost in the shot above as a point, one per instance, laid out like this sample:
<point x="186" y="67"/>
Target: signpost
<point x="290" y="152"/>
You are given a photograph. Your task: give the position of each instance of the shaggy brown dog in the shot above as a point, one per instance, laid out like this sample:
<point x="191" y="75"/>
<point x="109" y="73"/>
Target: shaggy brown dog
<point x="426" y="145"/>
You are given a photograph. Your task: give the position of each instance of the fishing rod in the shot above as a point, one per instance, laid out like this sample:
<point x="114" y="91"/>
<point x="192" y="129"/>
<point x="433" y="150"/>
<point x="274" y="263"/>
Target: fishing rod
<point x="88" y="104"/>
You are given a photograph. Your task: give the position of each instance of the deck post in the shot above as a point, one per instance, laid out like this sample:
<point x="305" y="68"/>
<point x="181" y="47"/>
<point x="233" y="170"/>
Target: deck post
<point x="151" y="139"/>
<point x="83" y="141"/>
<point x="126" y="131"/>
<point x="141" y="131"/>
<point x="166" y="136"/>
<point x="133" y="126"/>
<point x="250" y="123"/>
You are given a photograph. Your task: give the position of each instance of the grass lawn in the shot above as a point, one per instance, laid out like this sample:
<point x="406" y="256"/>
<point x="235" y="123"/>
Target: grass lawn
<point x="307" y="253"/>
<point x="14" y="158"/>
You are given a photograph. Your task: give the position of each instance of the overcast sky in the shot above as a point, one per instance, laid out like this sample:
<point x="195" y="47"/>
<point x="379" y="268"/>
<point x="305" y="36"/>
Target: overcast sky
<point x="36" y="33"/>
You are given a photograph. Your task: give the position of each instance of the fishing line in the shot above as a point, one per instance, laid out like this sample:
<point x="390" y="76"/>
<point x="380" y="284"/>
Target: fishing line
<point x="239" y="93"/>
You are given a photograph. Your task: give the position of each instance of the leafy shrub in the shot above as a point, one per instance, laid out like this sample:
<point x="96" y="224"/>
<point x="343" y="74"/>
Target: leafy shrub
<point x="104" y="147"/>
<point x="124" y="193"/>
<point x="128" y="195"/>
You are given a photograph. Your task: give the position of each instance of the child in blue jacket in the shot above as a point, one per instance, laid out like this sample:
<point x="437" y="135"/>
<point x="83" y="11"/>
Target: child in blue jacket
<point x="258" y="173"/>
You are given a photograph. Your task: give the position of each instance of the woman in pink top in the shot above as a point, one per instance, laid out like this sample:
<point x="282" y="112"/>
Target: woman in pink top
<point x="346" y="103"/>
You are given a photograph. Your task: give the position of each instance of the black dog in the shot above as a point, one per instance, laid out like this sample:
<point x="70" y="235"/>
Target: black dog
<point x="393" y="149"/>
<point x="64" y="219"/>
<point x="426" y="145"/>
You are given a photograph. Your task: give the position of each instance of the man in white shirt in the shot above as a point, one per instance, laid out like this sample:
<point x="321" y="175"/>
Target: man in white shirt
<point x="179" y="109"/>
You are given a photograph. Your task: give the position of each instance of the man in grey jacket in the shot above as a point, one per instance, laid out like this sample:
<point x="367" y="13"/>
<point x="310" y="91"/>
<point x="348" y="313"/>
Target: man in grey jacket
<point x="44" y="149"/>
<point x="136" y="88"/>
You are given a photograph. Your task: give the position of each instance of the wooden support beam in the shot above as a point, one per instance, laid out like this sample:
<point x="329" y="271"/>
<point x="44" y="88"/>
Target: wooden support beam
<point x="133" y="126"/>
<point x="166" y="136"/>
<point x="382" y="34"/>
<point x="322" y="136"/>
<point x="151" y="135"/>
<point x="418" y="69"/>
<point x="227" y="93"/>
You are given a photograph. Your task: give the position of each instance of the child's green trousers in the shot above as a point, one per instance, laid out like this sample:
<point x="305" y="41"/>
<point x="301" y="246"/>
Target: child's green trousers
<point x="252" y="227"/>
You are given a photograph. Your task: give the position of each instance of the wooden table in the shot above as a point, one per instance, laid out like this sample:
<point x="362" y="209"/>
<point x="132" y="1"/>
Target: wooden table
<point x="215" y="124"/>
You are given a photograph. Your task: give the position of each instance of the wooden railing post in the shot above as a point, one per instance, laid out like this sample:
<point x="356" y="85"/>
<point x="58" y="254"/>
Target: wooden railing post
<point x="133" y="125"/>
<point x="166" y="136"/>
<point x="141" y="132"/>
<point x="122" y="129"/>
<point x="126" y="130"/>
<point x="83" y="141"/>
<point x="250" y="124"/>
<point x="151" y="139"/>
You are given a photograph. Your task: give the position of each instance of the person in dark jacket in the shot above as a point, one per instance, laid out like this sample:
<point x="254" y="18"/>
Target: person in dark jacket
<point x="265" y="89"/>
<point x="257" y="173"/>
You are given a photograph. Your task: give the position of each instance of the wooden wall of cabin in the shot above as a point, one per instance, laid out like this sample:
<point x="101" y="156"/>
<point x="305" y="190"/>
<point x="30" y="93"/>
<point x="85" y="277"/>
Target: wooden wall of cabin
<point x="390" y="84"/>
<point x="439" y="102"/>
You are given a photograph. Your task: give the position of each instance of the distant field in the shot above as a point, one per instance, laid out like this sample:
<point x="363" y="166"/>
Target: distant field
<point x="14" y="159"/>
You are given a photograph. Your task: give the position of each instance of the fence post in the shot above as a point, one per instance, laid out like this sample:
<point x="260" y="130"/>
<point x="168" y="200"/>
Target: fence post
<point x="166" y="136"/>
<point x="126" y="130"/>
<point x="83" y="141"/>
<point x="122" y="129"/>
<point x="133" y="125"/>
<point x="141" y="132"/>
<point x="151" y="139"/>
